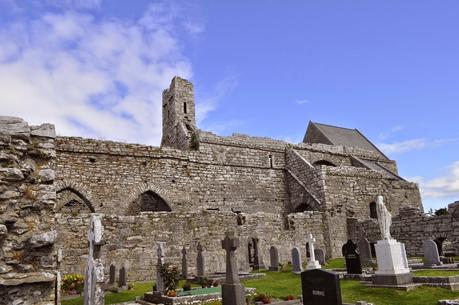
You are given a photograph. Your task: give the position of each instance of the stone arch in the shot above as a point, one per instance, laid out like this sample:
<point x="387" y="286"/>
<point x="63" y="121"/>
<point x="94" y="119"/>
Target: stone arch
<point x="324" y="162"/>
<point x="75" y="188"/>
<point x="147" y="197"/>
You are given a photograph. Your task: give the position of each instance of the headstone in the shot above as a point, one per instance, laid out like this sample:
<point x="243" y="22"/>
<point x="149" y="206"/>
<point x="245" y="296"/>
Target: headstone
<point x="159" y="264"/>
<point x="184" y="264"/>
<point x="320" y="287"/>
<point x="233" y="293"/>
<point x="258" y="261"/>
<point x="320" y="256"/>
<point x="274" y="256"/>
<point x="365" y="252"/>
<point x="353" y="265"/>
<point x="94" y="276"/>
<point x="312" y="262"/>
<point x="112" y="276"/>
<point x="200" y="262"/>
<point x="122" y="279"/>
<point x="296" y="260"/>
<point x="431" y="256"/>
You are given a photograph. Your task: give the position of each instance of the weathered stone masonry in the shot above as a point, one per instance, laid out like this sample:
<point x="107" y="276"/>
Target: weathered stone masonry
<point x="28" y="267"/>
<point x="197" y="185"/>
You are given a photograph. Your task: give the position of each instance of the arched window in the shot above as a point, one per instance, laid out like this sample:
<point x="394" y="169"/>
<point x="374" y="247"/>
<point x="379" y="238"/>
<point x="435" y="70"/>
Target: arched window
<point x="373" y="212"/>
<point x="71" y="200"/>
<point x="323" y="162"/>
<point x="303" y="208"/>
<point x="148" y="201"/>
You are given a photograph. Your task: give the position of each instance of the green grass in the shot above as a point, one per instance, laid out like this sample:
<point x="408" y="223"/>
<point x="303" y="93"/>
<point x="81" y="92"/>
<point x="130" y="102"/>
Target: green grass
<point x="281" y="284"/>
<point x="335" y="263"/>
<point x="435" y="272"/>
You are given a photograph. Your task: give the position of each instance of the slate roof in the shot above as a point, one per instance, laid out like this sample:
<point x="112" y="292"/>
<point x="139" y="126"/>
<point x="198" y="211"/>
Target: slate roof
<point x="345" y="136"/>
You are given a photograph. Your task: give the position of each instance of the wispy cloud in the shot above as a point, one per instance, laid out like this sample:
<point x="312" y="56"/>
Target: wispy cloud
<point x="302" y="101"/>
<point x="441" y="187"/>
<point x="90" y="76"/>
<point x="411" y="145"/>
<point x="386" y="134"/>
<point x="209" y="102"/>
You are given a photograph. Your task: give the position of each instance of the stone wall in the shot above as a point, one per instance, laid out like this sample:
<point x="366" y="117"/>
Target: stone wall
<point x="131" y="240"/>
<point x="28" y="260"/>
<point x="412" y="228"/>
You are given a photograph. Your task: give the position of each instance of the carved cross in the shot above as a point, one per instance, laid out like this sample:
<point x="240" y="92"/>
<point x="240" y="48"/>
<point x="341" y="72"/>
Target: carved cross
<point x="230" y="243"/>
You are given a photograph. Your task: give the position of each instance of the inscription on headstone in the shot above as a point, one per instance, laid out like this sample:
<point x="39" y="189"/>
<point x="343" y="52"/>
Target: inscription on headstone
<point x="320" y="287"/>
<point x="274" y="256"/>
<point x="353" y="265"/>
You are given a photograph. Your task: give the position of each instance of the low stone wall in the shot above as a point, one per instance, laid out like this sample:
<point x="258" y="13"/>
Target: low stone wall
<point x="130" y="241"/>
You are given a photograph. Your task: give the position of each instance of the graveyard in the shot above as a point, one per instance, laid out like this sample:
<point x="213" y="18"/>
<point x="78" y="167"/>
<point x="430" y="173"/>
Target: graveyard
<point x="207" y="219"/>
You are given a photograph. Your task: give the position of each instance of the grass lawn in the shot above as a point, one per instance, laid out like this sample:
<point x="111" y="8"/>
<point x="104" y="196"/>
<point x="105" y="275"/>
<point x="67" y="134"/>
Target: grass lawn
<point x="282" y="284"/>
<point x="335" y="263"/>
<point x="435" y="272"/>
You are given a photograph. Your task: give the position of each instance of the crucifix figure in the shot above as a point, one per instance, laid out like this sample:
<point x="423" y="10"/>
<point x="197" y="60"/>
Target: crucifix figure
<point x="94" y="279"/>
<point x="233" y="293"/>
<point x="312" y="263"/>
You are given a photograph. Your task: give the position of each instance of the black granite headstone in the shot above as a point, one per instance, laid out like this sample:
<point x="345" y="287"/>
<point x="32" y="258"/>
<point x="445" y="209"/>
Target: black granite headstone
<point x="320" y="287"/>
<point x="353" y="264"/>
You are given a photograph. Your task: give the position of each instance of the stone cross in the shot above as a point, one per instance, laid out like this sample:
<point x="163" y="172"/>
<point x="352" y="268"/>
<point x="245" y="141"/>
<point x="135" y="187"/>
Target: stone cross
<point x="159" y="264"/>
<point x="94" y="276"/>
<point x="200" y="262"/>
<point x="184" y="264"/>
<point x="312" y="262"/>
<point x="233" y="293"/>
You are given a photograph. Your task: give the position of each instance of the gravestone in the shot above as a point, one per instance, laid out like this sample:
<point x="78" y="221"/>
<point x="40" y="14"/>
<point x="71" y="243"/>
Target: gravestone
<point x="233" y="293"/>
<point x="200" y="262"/>
<point x="353" y="265"/>
<point x="431" y="256"/>
<point x="274" y="256"/>
<point x="112" y="273"/>
<point x="320" y="256"/>
<point x="257" y="259"/>
<point x="320" y="287"/>
<point x="159" y="264"/>
<point x="365" y="252"/>
<point x="94" y="276"/>
<point x="122" y="279"/>
<point x="184" y="264"/>
<point x="296" y="260"/>
<point x="312" y="262"/>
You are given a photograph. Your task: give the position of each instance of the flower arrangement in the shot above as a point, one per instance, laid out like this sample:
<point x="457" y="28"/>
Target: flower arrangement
<point x="73" y="283"/>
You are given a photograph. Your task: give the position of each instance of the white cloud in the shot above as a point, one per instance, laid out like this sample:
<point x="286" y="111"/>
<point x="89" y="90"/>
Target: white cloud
<point x="410" y="145"/>
<point x="302" y="101"/>
<point x="386" y="134"/>
<point x="92" y="77"/>
<point x="445" y="186"/>
<point x="207" y="104"/>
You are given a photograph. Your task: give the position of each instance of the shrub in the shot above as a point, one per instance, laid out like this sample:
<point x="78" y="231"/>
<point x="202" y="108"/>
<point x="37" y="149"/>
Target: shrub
<point x="264" y="298"/>
<point x="186" y="286"/>
<point x="73" y="283"/>
<point x="170" y="277"/>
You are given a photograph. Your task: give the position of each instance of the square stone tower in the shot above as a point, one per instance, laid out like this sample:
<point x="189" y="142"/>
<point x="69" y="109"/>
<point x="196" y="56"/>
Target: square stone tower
<point x="179" y="121"/>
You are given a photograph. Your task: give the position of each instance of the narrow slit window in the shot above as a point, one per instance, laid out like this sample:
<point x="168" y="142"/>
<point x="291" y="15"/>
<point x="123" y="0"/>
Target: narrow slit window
<point x="271" y="161"/>
<point x="184" y="107"/>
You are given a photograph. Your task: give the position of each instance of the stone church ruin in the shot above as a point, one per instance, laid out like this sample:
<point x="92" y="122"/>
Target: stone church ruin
<point x="186" y="193"/>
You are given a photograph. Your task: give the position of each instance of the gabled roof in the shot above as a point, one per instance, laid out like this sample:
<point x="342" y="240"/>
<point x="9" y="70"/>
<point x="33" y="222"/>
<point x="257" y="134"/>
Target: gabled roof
<point x="334" y="135"/>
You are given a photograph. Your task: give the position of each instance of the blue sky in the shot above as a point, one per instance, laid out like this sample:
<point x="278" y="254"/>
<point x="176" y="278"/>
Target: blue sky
<point x="96" y="68"/>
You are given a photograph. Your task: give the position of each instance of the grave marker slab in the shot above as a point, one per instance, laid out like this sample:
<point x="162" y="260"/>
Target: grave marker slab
<point x="122" y="279"/>
<point x="320" y="256"/>
<point x="353" y="265"/>
<point x="365" y="252"/>
<point x="200" y="262"/>
<point x="112" y="274"/>
<point x="431" y="256"/>
<point x="296" y="260"/>
<point x="184" y="264"/>
<point x="274" y="256"/>
<point x="159" y="263"/>
<point x="320" y="287"/>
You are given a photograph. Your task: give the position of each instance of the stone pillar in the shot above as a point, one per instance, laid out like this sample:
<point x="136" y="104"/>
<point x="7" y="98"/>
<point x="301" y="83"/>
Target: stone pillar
<point x="184" y="264"/>
<point x="159" y="264"/>
<point x="94" y="276"/>
<point x="28" y="260"/>
<point x="200" y="262"/>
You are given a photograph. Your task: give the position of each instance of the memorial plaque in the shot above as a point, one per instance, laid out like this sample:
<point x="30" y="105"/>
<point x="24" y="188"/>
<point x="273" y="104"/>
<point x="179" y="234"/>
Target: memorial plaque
<point x="353" y="264"/>
<point x="320" y="287"/>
